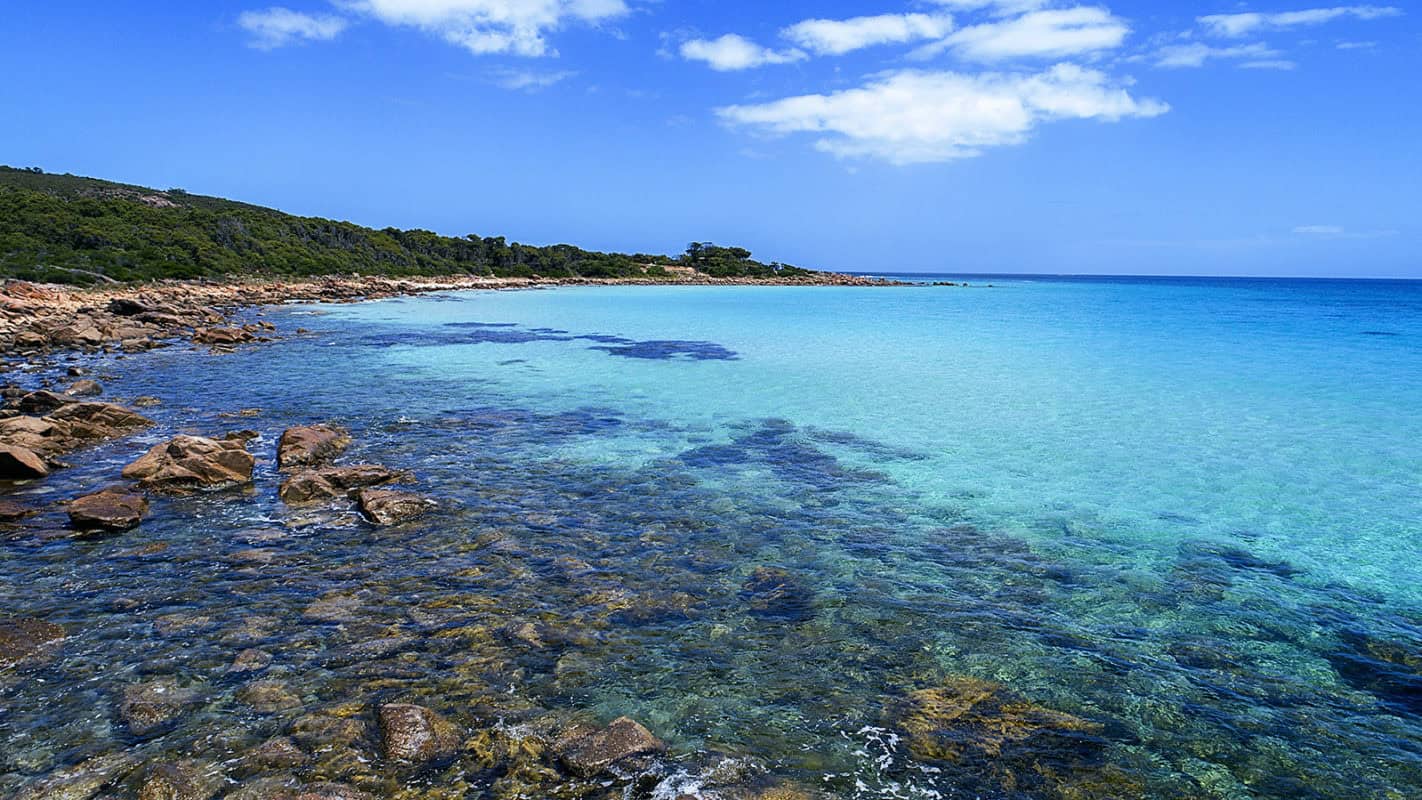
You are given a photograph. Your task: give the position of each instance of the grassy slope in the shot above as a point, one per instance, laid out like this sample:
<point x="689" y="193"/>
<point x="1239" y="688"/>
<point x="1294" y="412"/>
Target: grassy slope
<point x="70" y="229"/>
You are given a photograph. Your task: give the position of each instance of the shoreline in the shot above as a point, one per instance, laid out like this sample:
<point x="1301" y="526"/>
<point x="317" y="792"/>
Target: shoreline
<point x="41" y="319"/>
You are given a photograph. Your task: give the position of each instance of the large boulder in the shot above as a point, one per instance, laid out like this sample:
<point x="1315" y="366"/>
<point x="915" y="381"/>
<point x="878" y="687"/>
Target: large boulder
<point x="416" y="734"/>
<point x="24" y="638"/>
<point x="587" y="753"/>
<point x="114" y="509"/>
<point x="391" y="507"/>
<point x="312" y="486"/>
<point x="188" y="463"/>
<point x="19" y="464"/>
<point x="310" y="445"/>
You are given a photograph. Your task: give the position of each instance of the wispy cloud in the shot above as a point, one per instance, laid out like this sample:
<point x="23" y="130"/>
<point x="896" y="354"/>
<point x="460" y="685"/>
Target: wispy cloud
<point x="1195" y="54"/>
<point x="1051" y="33"/>
<point x="525" y="80"/>
<point x="1340" y="232"/>
<point x="277" y="27"/>
<point x="516" y="27"/>
<point x="837" y="37"/>
<point x="1245" y="24"/>
<point x="731" y="52"/>
<point x="914" y="116"/>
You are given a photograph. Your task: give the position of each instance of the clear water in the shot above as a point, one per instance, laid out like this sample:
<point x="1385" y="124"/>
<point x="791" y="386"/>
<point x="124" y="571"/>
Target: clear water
<point x="1187" y="510"/>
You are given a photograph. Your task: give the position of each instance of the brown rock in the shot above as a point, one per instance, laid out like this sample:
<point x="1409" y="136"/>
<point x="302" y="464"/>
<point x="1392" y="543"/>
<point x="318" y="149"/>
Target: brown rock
<point x="310" y="445"/>
<point x="269" y="697"/>
<point x="250" y="660"/>
<point x="151" y="708"/>
<point x="113" y="509"/>
<point x="390" y="507"/>
<point x="81" y="781"/>
<point x="221" y="336"/>
<point x="42" y="401"/>
<point x="11" y="511"/>
<point x="84" y="388"/>
<point x="329" y="483"/>
<point x="332" y="791"/>
<point x="147" y="401"/>
<point x="88" y="422"/>
<point x="187" y="463"/>
<point x="23" y="638"/>
<point x="183" y="780"/>
<point x="20" y="464"/>
<point x="277" y="753"/>
<point x="588" y="754"/>
<point x="416" y="734"/>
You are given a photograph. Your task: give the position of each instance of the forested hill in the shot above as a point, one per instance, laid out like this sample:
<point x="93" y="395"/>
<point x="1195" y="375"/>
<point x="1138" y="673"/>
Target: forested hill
<point x="69" y="229"/>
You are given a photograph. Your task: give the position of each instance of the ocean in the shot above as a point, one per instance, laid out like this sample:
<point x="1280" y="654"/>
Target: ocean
<point x="1029" y="537"/>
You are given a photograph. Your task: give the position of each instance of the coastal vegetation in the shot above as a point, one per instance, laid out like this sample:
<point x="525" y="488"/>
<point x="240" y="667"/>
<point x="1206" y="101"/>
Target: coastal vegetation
<point x="77" y="230"/>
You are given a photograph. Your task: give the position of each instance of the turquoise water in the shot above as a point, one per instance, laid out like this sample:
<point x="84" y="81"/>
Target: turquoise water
<point x="1188" y="512"/>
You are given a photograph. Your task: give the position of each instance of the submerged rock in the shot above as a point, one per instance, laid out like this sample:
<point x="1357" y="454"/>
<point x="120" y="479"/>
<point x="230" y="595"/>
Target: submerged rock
<point x="152" y="708"/>
<point x="416" y="734"/>
<point x="310" y="445"/>
<point x="21" y="464"/>
<point x="390" y="507"/>
<point x="183" y="780"/>
<point x="587" y="753"/>
<point x="774" y="593"/>
<point x="187" y="463"/>
<point x="113" y="509"/>
<point x="1390" y="670"/>
<point x="280" y="752"/>
<point x="250" y="660"/>
<point x="81" y="781"/>
<point x="25" y="638"/>
<point x="269" y="696"/>
<point x="330" y="483"/>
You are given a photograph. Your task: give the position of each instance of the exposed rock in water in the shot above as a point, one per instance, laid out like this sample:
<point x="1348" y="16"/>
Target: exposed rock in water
<point x="81" y="781"/>
<point x="416" y="734"/>
<point x="774" y="593"/>
<point x="187" y="463"/>
<point x="587" y="753"/>
<point x="151" y="708"/>
<point x="269" y="696"/>
<point x="113" y="509"/>
<point x="221" y="336"/>
<point x="183" y="780"/>
<point x="331" y="483"/>
<point x="21" y="464"/>
<point x="11" y="511"/>
<point x="84" y="388"/>
<point x="310" y="445"/>
<point x="24" y="638"/>
<point x="94" y="422"/>
<point x="147" y="401"/>
<point x="42" y="401"/>
<point x="390" y="507"/>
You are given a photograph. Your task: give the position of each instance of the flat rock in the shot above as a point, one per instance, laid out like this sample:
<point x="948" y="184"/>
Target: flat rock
<point x="587" y="754"/>
<point x="329" y="483"/>
<point x="23" y="638"/>
<point x="113" y="509"/>
<point x="151" y="708"/>
<point x="187" y="463"/>
<point x="416" y="734"/>
<point x="391" y="507"/>
<point x="11" y="511"/>
<point x="21" y="464"/>
<point x="310" y="445"/>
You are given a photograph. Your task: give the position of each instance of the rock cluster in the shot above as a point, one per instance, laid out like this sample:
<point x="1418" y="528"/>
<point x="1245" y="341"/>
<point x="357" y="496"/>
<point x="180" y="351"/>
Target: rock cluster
<point x="189" y="463"/>
<point x="314" y="445"/>
<point x="49" y="425"/>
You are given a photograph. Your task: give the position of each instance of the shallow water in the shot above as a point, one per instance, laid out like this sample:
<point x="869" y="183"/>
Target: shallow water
<point x="1187" y="512"/>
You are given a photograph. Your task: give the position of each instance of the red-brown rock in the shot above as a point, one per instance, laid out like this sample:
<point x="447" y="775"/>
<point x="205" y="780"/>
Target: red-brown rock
<point x="310" y="445"/>
<point x="113" y="509"/>
<point x="188" y="463"/>
<point x="19" y="464"/>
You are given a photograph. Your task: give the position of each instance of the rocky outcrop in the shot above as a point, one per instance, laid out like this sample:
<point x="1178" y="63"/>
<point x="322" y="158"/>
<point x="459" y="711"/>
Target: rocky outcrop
<point x="25" y="639"/>
<point x="588" y="752"/>
<point x="68" y="428"/>
<point x="310" y="445"/>
<point x="190" y="463"/>
<point x="114" y="509"/>
<point x="415" y="734"/>
<point x="391" y="507"/>
<point x="21" y="464"/>
<point x="329" y="483"/>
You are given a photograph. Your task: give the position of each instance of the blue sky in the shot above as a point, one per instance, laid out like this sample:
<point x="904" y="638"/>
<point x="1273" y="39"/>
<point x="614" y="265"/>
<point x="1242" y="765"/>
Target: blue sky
<point x="1268" y="138"/>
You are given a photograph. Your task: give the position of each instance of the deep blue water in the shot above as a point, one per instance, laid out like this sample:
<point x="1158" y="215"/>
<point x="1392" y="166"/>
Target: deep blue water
<point x="1185" y="511"/>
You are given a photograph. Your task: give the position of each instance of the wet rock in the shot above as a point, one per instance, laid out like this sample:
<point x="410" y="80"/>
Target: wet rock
<point x="183" y="780"/>
<point x="969" y="720"/>
<point x="269" y="696"/>
<point x="11" y="511"/>
<point x="321" y="731"/>
<point x="26" y="638"/>
<point x="280" y="752"/>
<point x="127" y="307"/>
<point x="774" y="593"/>
<point x="332" y="791"/>
<point x="84" y="388"/>
<point x="76" y="372"/>
<point x="21" y="464"/>
<point x="113" y="509"/>
<point x="337" y="607"/>
<point x="310" y="445"/>
<point x="152" y="708"/>
<point x="81" y="781"/>
<point x="42" y="402"/>
<point x="588" y="753"/>
<point x="187" y="463"/>
<point x="250" y="660"/>
<point x="390" y="507"/>
<point x="146" y="401"/>
<point x="221" y="336"/>
<point x="93" y="422"/>
<point x="416" y="734"/>
<point x="313" y="486"/>
<point x="276" y="787"/>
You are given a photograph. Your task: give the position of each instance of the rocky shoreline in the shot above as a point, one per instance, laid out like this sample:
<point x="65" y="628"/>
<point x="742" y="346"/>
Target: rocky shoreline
<point x="38" y="319"/>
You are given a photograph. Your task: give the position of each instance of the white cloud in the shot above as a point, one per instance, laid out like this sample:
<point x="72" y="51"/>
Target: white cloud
<point x="1195" y="54"/>
<point x="914" y="116"/>
<point x="1236" y="25"/>
<point x="1357" y="45"/>
<point x="1280" y="64"/>
<point x="731" y="52"/>
<point x="1319" y="230"/>
<point x="519" y="27"/>
<point x="1052" y="33"/>
<point x="527" y="80"/>
<point x="1001" y="7"/>
<point x="836" y="37"/>
<point x="1339" y="232"/>
<point x="278" y="27"/>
